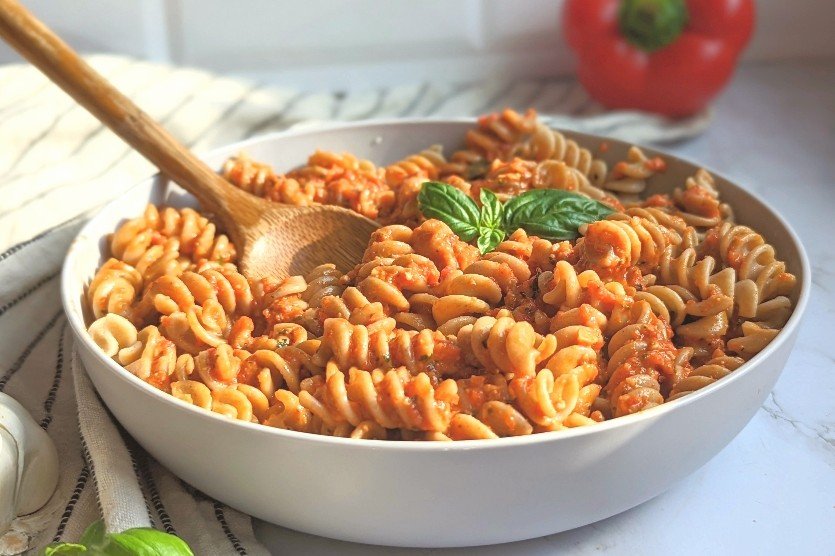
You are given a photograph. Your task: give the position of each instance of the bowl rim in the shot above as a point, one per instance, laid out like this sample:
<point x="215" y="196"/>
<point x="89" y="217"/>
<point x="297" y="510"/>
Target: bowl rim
<point x="80" y="330"/>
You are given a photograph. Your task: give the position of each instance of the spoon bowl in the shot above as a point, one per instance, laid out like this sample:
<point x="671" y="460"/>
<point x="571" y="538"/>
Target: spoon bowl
<point x="287" y="240"/>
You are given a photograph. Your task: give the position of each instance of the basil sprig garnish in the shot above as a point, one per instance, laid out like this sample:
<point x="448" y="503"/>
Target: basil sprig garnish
<point x="552" y="214"/>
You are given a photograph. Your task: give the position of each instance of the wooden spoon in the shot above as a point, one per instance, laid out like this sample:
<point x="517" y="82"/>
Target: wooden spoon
<point x="272" y="239"/>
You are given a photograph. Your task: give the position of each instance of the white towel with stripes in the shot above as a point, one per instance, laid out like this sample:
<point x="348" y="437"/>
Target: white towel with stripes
<point x="58" y="165"/>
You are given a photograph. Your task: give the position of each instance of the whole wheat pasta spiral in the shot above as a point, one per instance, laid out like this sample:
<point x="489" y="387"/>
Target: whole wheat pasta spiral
<point x="754" y="259"/>
<point x="153" y="358"/>
<point x="663" y="216"/>
<point x="640" y="357"/>
<point x="197" y="236"/>
<point x="696" y="275"/>
<point x="698" y="202"/>
<point x="356" y="345"/>
<point x="545" y="143"/>
<point x="494" y="420"/>
<point x="620" y="243"/>
<point x="707" y="319"/>
<point x="564" y="288"/>
<point x="192" y="392"/>
<point x="112" y="333"/>
<point x="351" y="305"/>
<point x="704" y="375"/>
<point x="545" y="400"/>
<point x="260" y="179"/>
<point x="504" y="345"/>
<point x="168" y="294"/>
<point x="629" y="177"/>
<point x="390" y="281"/>
<point x="321" y="283"/>
<point x="406" y="177"/>
<point x="753" y="340"/>
<point x="499" y="135"/>
<point x="114" y="289"/>
<point x="149" y="243"/>
<point x="668" y="302"/>
<point x="345" y="180"/>
<point x="379" y="345"/>
<point x="278" y="302"/>
<point x="162" y="260"/>
<point x="424" y="165"/>
<point x="268" y="371"/>
<point x="393" y="399"/>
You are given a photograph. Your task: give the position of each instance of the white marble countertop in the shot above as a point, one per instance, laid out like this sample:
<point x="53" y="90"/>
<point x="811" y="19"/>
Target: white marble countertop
<point x="772" y="489"/>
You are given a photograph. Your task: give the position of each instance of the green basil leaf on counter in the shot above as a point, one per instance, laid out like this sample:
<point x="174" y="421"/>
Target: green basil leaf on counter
<point x="141" y="541"/>
<point x="552" y="214"/>
<point x="94" y="535"/>
<point x="451" y="206"/>
<point x="147" y="542"/>
<point x="64" y="549"/>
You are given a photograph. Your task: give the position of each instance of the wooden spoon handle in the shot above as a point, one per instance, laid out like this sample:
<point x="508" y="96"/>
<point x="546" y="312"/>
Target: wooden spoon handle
<point x="35" y="42"/>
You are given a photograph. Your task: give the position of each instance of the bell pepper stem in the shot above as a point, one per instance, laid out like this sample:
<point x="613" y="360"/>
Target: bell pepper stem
<point x="652" y="24"/>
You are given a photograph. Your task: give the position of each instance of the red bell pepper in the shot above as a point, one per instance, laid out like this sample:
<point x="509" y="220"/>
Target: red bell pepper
<point x="666" y="56"/>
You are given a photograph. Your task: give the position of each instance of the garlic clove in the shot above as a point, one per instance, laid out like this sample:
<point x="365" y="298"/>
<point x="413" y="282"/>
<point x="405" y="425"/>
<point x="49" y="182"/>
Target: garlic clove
<point x="28" y="462"/>
<point x="9" y="465"/>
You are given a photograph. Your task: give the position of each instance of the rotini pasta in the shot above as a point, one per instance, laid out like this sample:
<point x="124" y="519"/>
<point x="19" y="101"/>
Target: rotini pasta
<point x="428" y="339"/>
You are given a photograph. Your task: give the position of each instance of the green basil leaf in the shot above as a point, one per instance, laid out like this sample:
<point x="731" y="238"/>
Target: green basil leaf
<point x="94" y="535"/>
<point x="146" y="542"/>
<point x="492" y="213"/>
<point x="450" y="206"/>
<point x="489" y="238"/>
<point x="552" y="214"/>
<point x="64" y="548"/>
<point x="133" y="542"/>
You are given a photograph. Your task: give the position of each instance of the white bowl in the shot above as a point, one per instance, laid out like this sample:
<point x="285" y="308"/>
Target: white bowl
<point x="427" y="494"/>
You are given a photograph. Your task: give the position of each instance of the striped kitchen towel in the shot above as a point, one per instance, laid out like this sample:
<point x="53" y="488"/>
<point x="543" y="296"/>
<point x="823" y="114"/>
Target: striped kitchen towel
<point x="58" y="165"/>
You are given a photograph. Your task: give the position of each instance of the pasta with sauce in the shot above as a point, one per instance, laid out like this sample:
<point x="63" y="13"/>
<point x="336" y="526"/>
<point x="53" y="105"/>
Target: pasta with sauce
<point x="426" y="338"/>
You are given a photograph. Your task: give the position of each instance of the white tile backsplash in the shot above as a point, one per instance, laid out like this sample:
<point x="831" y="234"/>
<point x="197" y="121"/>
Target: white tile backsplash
<point x="522" y="25"/>
<point x="322" y="32"/>
<point x="316" y="44"/>
<point x="91" y="25"/>
<point x="793" y="29"/>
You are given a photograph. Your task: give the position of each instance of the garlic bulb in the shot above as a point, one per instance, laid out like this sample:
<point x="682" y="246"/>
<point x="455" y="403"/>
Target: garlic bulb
<point x="28" y="463"/>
